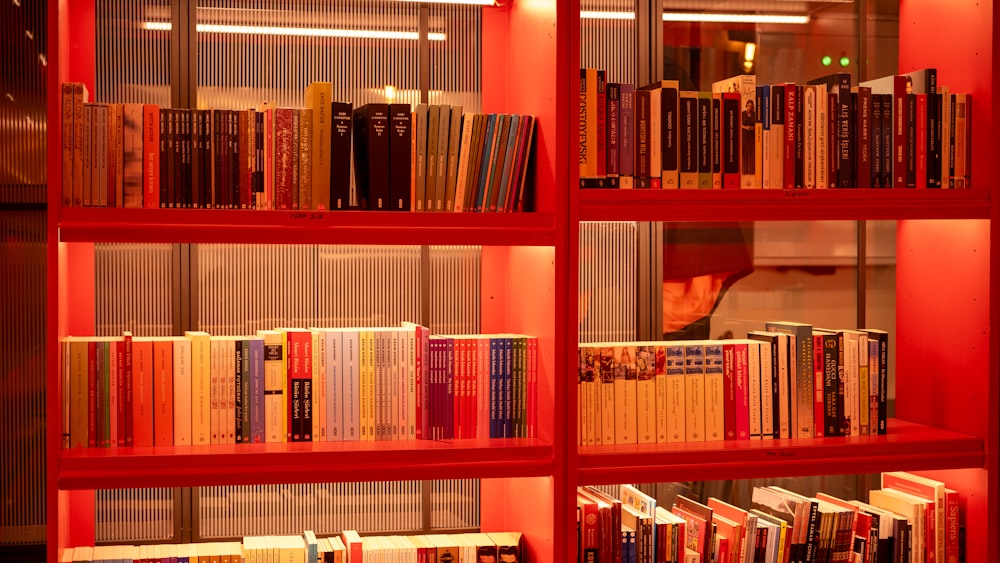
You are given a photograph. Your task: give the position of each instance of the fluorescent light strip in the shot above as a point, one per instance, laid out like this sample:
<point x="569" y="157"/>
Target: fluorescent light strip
<point x="607" y="15"/>
<point x="466" y="2"/>
<point x="702" y="17"/>
<point x="733" y="18"/>
<point x="299" y="31"/>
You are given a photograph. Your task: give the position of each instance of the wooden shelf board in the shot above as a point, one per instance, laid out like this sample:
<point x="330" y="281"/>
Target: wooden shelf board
<point x="907" y="446"/>
<point x="782" y="205"/>
<point x="301" y="227"/>
<point x="189" y="466"/>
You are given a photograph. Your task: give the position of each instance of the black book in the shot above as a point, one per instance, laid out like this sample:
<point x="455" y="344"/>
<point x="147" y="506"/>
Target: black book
<point x="258" y="173"/>
<point x="863" y="136"/>
<point x="371" y="156"/>
<point x="400" y="157"/>
<point x="164" y="158"/>
<point x="876" y="140"/>
<point x="340" y="155"/>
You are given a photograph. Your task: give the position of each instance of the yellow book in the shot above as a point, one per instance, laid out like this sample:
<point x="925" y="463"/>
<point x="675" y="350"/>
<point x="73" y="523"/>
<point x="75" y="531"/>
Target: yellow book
<point x="318" y="99"/>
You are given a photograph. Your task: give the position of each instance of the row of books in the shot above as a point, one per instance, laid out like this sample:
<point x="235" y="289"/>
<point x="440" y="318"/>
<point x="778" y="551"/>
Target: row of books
<point x="901" y="131"/>
<point x="327" y="155"/>
<point x="297" y="385"/>
<point x="348" y="547"/>
<point x="911" y="519"/>
<point x="788" y="381"/>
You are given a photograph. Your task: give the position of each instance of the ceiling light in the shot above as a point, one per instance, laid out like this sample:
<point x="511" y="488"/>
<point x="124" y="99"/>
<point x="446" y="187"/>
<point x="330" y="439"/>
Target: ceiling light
<point x="607" y="15"/>
<point x="299" y="31"/>
<point x="701" y="17"/>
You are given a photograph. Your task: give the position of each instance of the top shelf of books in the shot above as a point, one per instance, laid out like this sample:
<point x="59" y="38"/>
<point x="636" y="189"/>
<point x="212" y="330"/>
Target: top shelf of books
<point x="782" y="205"/>
<point x="299" y="227"/>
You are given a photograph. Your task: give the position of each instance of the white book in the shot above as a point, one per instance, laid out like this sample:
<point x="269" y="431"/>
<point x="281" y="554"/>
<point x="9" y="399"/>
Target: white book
<point x="755" y="374"/>
<point x="182" y="392"/>
<point x="660" y="403"/>
<point x="694" y="392"/>
<point x="274" y="376"/>
<point x="715" y="420"/>
<point x="410" y="367"/>
<point x="784" y="392"/>
<point x="606" y="400"/>
<point x="676" y="417"/>
<point x="852" y="381"/>
<point x="625" y="394"/>
<point x="645" y="376"/>
<point x="913" y="508"/>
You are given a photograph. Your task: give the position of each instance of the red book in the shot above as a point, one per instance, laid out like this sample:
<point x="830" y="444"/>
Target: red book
<point x="952" y="508"/>
<point x="602" y="151"/>
<point x="151" y="156"/>
<point x="742" y="375"/>
<point x="791" y="101"/>
<point x="127" y="391"/>
<point x="120" y="390"/>
<point x="819" y="416"/>
<point x="921" y="140"/>
<point x="532" y="387"/>
<point x="729" y="387"/>
<point x="92" y="412"/>
<point x="142" y="392"/>
<point x="163" y="392"/>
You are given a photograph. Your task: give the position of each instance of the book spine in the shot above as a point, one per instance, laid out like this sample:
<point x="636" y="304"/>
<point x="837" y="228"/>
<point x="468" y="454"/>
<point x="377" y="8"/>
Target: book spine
<point x="669" y="127"/>
<point x="911" y="140"/>
<point x="704" y="118"/>
<point x="688" y="140"/>
<point x="305" y="151"/>
<point x="641" y="156"/>
<point x="613" y="129"/>
<point x="626" y="129"/>
<point x="399" y="157"/>
<point x="899" y="144"/>
<point x="340" y="155"/>
<point x="284" y="159"/>
<point x="791" y="130"/>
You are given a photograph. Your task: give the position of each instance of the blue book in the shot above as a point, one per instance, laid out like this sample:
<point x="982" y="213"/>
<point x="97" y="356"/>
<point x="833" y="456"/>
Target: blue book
<point x="508" y="162"/>
<point x="485" y="158"/>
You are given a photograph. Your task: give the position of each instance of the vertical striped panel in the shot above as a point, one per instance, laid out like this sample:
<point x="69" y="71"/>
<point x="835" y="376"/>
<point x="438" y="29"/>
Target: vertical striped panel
<point x="133" y="289"/>
<point x="243" y="288"/>
<point x="22" y="103"/>
<point x="22" y="363"/>
<point x="454" y="289"/>
<point x="325" y="508"/>
<point x="609" y="44"/>
<point x="455" y="57"/>
<point x="134" y="515"/>
<point x="367" y="285"/>
<point x="132" y="61"/>
<point x="133" y="292"/>
<point x="455" y="504"/>
<point x="608" y="281"/>
<point x="254" y="51"/>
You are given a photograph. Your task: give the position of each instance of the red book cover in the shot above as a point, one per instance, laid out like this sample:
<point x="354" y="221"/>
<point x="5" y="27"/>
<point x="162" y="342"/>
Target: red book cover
<point x="791" y="101"/>
<point x="921" y="140"/>
<point x="952" y="509"/>
<point x="151" y="156"/>
<point x="142" y="393"/>
<point x="742" y="377"/>
<point x="120" y="391"/>
<point x="819" y="416"/>
<point x="729" y="386"/>
<point x="602" y="151"/>
<point x="128" y="378"/>
<point x="532" y="387"/>
<point x="92" y="403"/>
<point x="163" y="392"/>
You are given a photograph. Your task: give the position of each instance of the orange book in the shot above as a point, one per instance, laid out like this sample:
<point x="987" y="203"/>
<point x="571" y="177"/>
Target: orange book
<point x="151" y="156"/>
<point x="163" y="391"/>
<point x="142" y="392"/>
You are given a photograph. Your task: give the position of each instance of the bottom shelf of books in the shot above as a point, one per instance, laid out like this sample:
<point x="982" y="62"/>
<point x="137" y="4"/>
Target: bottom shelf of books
<point x="892" y="516"/>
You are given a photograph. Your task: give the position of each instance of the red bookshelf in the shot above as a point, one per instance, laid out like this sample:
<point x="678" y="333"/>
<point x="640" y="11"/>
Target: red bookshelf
<point x="303" y="462"/>
<point x="782" y="205"/>
<point x="524" y="258"/>
<point x="907" y="446"/>
<point x="947" y="347"/>
<point x="292" y="227"/>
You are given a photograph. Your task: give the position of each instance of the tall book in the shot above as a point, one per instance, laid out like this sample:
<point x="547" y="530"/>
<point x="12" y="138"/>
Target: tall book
<point x="341" y="137"/>
<point x="451" y="168"/>
<point x="399" y="157"/>
<point x="318" y="99"/>
<point x="371" y="155"/>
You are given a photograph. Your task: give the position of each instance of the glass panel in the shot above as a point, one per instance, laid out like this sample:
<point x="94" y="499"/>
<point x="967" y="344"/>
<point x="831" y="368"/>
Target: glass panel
<point x="133" y="52"/>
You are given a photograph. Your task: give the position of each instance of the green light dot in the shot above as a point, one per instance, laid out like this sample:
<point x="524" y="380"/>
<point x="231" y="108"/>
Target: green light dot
<point x="844" y="61"/>
<point x="827" y="60"/>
